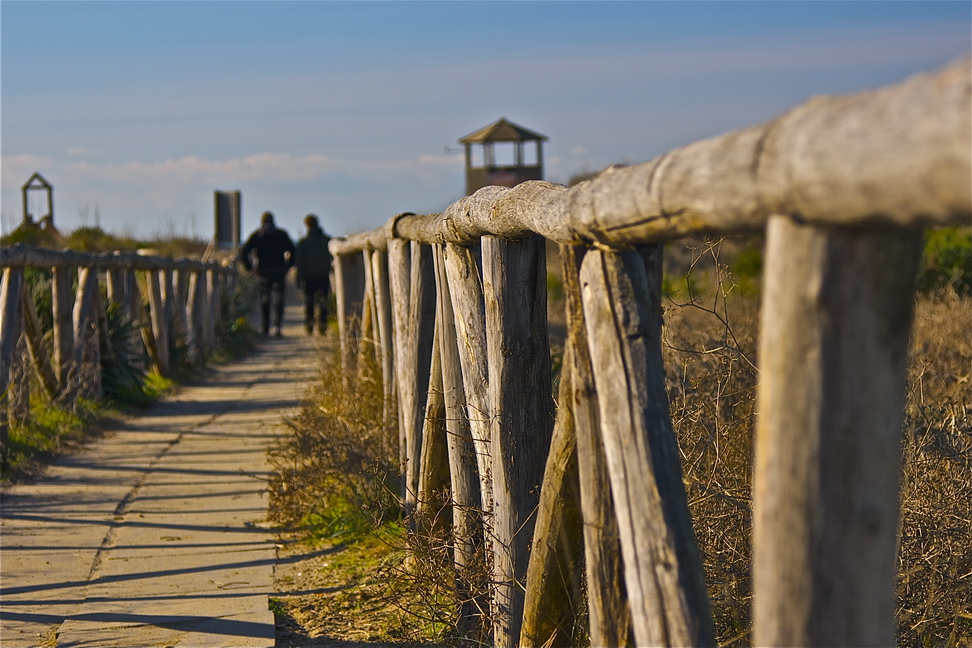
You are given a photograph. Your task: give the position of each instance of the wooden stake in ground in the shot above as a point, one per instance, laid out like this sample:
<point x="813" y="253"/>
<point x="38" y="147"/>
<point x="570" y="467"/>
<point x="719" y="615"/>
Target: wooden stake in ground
<point x="663" y="571"/>
<point x="609" y="620"/>
<point x="833" y="349"/>
<point x="518" y="350"/>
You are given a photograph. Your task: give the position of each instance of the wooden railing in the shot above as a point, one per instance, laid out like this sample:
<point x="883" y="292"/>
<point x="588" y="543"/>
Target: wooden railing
<point x="175" y="302"/>
<point x="456" y="302"/>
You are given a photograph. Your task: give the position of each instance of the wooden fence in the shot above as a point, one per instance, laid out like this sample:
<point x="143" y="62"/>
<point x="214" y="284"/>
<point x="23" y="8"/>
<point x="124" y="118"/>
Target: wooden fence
<point x="174" y="302"/>
<point x="456" y="304"/>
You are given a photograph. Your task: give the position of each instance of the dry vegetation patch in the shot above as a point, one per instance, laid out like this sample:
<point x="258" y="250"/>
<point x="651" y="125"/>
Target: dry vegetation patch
<point x="336" y="475"/>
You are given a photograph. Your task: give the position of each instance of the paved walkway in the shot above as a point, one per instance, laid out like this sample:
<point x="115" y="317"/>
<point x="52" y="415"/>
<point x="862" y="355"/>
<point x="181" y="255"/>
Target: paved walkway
<point x="153" y="536"/>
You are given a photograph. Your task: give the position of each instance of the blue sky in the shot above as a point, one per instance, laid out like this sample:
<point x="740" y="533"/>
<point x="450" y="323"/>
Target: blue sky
<point x="137" y="111"/>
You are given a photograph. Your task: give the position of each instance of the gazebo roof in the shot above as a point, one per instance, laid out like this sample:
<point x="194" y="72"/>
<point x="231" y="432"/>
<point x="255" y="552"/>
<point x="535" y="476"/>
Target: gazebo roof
<point x="502" y="131"/>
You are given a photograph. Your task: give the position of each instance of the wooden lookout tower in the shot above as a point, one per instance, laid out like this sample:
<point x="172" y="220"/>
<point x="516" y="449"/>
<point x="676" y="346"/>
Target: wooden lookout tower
<point x="38" y="183"/>
<point x="498" y="155"/>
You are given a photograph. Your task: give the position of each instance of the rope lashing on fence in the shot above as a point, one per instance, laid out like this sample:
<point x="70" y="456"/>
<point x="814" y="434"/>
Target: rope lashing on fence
<point x="843" y="187"/>
<point x="895" y="156"/>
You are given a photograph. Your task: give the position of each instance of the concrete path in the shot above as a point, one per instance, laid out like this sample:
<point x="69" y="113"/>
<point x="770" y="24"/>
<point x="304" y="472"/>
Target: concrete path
<point x="154" y="535"/>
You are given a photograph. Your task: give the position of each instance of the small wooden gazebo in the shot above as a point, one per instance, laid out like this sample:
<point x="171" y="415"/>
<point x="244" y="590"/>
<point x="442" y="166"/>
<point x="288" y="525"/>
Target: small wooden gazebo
<point x="484" y="167"/>
<point x="38" y="183"/>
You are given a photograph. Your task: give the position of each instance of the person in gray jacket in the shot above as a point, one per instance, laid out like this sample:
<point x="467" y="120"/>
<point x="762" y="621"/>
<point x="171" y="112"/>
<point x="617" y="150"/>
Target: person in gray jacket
<point x="313" y="263"/>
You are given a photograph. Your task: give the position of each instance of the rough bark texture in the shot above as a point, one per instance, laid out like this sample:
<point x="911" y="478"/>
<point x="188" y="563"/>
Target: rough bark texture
<point x="663" y="572"/>
<point x="467" y="530"/>
<point x="10" y="319"/>
<point x="833" y="350"/>
<point x="87" y="352"/>
<point x="383" y="308"/>
<point x="38" y="352"/>
<point x="466" y="290"/>
<point x="62" y="300"/>
<point x="553" y="599"/>
<point x="609" y="620"/>
<point x="518" y="351"/>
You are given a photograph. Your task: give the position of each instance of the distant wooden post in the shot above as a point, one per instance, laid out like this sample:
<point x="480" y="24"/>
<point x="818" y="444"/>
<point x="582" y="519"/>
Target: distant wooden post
<point x="180" y="310"/>
<point x="663" y="571"/>
<point x="349" y="277"/>
<point x="383" y="308"/>
<point x="160" y="325"/>
<point x="399" y="274"/>
<point x="833" y="352"/>
<point x="214" y="293"/>
<point x="38" y="351"/>
<point x="62" y="299"/>
<point x="87" y="350"/>
<point x="518" y="356"/>
<point x="10" y="329"/>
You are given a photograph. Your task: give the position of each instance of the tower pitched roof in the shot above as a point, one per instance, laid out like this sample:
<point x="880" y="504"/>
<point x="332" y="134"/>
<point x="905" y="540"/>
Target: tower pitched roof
<point x="502" y="130"/>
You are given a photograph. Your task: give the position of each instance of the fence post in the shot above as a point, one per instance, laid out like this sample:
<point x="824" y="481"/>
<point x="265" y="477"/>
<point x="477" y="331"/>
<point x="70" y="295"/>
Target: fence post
<point x="416" y="364"/>
<point x="160" y="325"/>
<point x="87" y="350"/>
<point x="467" y="531"/>
<point x="62" y="301"/>
<point x="518" y="357"/>
<point x="663" y="571"/>
<point x="349" y="277"/>
<point x="10" y="325"/>
<point x="399" y="274"/>
<point x="379" y="275"/>
<point x="466" y="291"/>
<point x="833" y="355"/>
<point x="434" y="464"/>
<point x="35" y="345"/>
<point x="553" y="585"/>
<point x="180" y="306"/>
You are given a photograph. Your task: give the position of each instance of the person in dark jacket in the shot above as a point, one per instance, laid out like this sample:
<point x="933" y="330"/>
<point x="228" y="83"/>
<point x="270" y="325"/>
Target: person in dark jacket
<point x="313" y="262"/>
<point x="274" y="254"/>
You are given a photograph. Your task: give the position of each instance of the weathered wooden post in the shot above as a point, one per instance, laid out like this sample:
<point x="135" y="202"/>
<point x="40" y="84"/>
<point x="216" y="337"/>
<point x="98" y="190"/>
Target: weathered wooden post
<point x="434" y="463"/>
<point x="399" y="275"/>
<point x="160" y="324"/>
<point x="180" y="306"/>
<point x="466" y="290"/>
<point x="833" y="351"/>
<point x="87" y="349"/>
<point x="518" y="357"/>
<point x="38" y="351"/>
<point x="467" y="530"/>
<point x="10" y="329"/>
<point x="383" y="308"/>
<point x="416" y="364"/>
<point x="663" y="571"/>
<point x="553" y="597"/>
<point x="62" y="300"/>
<point x="195" y="344"/>
<point x="214" y="294"/>
<point x="350" y="288"/>
<point x="609" y="620"/>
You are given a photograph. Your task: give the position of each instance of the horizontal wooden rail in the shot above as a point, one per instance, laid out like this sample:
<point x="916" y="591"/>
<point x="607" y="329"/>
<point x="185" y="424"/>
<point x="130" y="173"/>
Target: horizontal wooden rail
<point x="901" y="155"/>
<point x="843" y="187"/>
<point x="20" y="255"/>
<point x="176" y="302"/>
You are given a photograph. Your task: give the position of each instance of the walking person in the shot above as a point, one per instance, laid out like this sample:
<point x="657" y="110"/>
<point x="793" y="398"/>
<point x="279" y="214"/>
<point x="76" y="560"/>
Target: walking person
<point x="313" y="262"/>
<point x="274" y="254"/>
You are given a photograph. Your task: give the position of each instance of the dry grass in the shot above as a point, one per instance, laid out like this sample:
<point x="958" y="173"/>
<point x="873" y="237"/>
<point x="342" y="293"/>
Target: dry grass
<point x="340" y="460"/>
